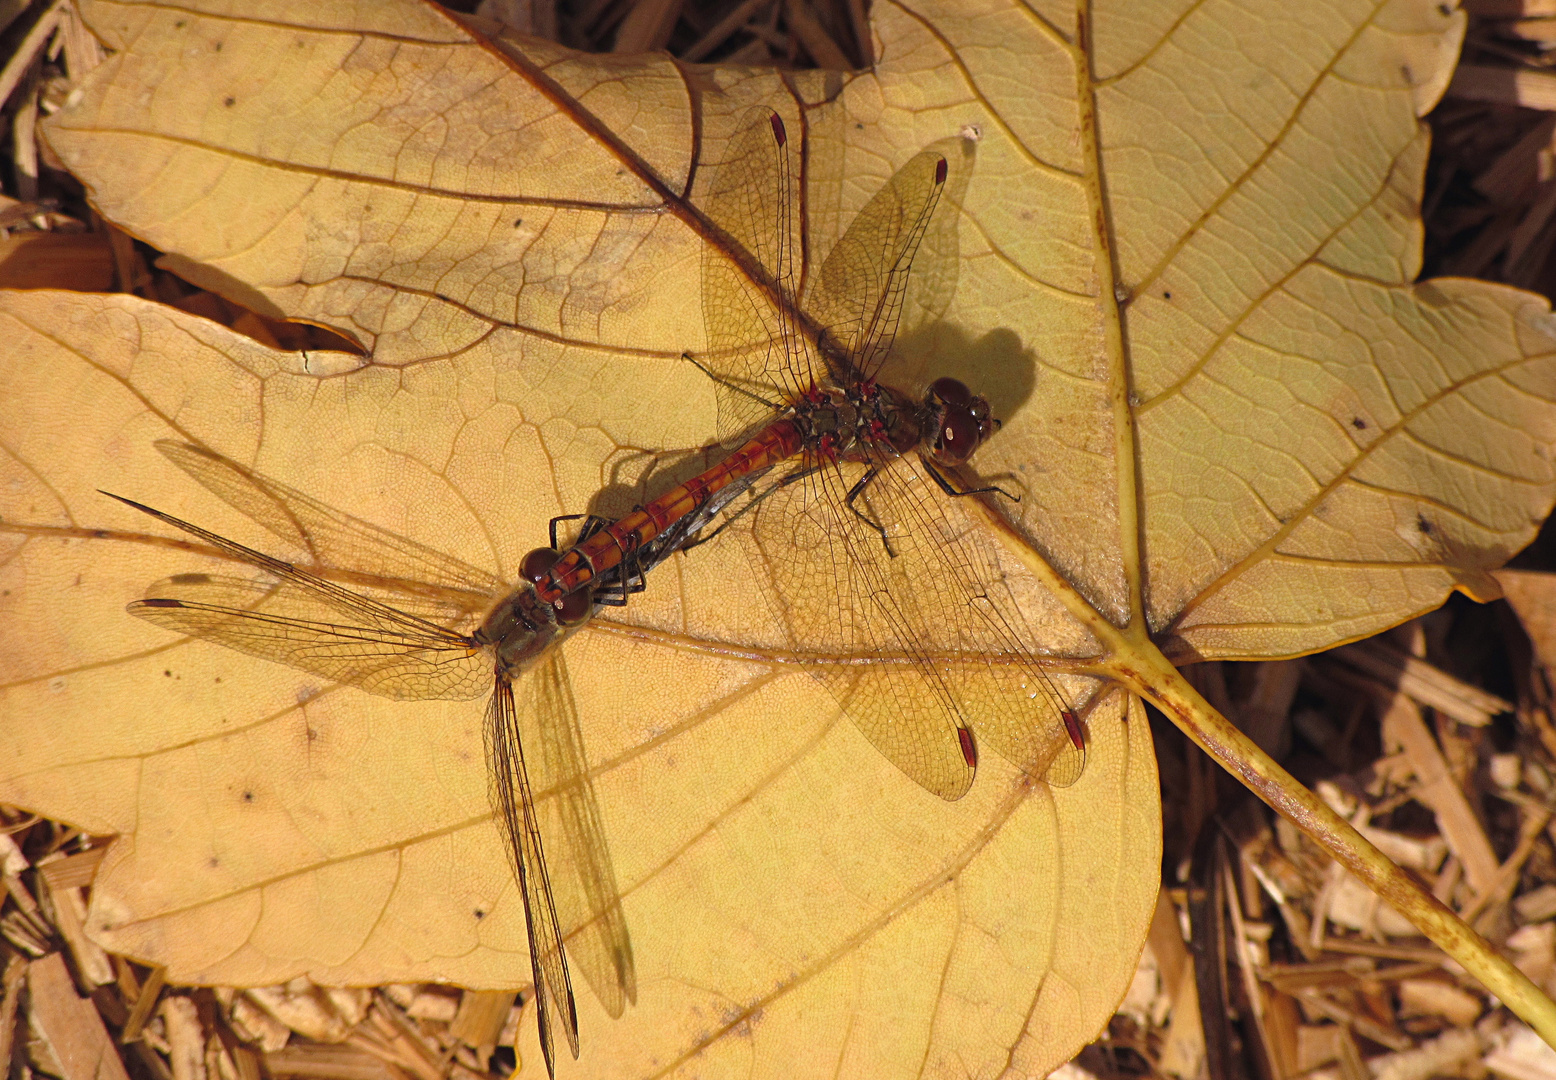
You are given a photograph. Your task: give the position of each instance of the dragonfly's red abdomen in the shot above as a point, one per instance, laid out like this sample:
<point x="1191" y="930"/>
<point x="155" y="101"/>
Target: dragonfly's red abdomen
<point x="606" y="549"/>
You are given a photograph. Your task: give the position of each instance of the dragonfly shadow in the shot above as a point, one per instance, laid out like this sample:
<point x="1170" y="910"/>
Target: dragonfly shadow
<point x="632" y="477"/>
<point x="996" y="366"/>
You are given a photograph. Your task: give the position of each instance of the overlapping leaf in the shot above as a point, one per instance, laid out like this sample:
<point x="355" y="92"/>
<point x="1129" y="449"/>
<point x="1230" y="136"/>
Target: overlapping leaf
<point x="1322" y="449"/>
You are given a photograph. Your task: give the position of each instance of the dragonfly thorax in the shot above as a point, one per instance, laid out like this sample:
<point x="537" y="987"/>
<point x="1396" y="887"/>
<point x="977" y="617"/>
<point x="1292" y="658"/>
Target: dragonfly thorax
<point x="830" y="421"/>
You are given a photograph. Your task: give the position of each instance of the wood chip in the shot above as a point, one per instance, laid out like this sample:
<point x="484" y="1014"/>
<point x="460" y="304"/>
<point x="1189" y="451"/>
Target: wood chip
<point x="1425" y="683"/>
<point x="647" y="26"/>
<point x="481" y="1016"/>
<point x="300" y="1007"/>
<point x="185" y="1037"/>
<point x="69" y="1024"/>
<point x="69" y="908"/>
<point x="320" y="1062"/>
<point x="29" y="50"/>
<point x="1537" y="905"/>
<point x="72" y="871"/>
<point x="1461" y="828"/>
<point x="145" y="1000"/>
<point x="257" y="1025"/>
<point x="1522" y="1055"/>
<point x="1510" y="9"/>
<point x="725" y="28"/>
<point x="1439" y="997"/>
<point x="431" y="1005"/>
<point x="817" y="42"/>
<point x="15" y="976"/>
<point x="1504" y="86"/>
<point x="1319" y="1004"/>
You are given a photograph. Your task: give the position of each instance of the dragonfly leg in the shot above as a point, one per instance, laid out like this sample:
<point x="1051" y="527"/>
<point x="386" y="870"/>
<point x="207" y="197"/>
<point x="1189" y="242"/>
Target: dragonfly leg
<point x="946" y="486"/>
<point x="555" y="546"/>
<point x="794" y="477"/>
<point x="854" y="493"/>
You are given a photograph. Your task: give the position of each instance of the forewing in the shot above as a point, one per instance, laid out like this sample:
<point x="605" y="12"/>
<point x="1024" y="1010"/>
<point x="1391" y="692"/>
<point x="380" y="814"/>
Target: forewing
<point x="583" y="880"/>
<point x="945" y="645"/>
<point x="281" y="622"/>
<point x="857" y="298"/>
<point x="514" y="807"/>
<point x="438" y="585"/>
<point x="754" y="348"/>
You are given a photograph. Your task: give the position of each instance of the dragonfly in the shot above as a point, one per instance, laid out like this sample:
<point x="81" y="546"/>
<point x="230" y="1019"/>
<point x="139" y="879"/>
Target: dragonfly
<point x="855" y="546"/>
<point x="422" y="625"/>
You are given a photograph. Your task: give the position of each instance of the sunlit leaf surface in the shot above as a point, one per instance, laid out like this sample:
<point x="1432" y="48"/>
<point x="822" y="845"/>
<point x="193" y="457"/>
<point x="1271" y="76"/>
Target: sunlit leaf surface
<point x="1322" y="449"/>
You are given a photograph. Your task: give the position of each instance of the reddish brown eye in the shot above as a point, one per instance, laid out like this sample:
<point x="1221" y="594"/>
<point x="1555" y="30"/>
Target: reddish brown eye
<point x="950" y="391"/>
<point x="537" y="563"/>
<point x="957" y="437"/>
<point x="575" y="607"/>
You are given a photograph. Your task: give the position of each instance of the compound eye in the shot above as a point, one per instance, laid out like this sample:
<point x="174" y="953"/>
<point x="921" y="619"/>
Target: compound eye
<point x="957" y="437"/>
<point x="538" y="563"/>
<point x="575" y="607"/>
<point x="951" y="391"/>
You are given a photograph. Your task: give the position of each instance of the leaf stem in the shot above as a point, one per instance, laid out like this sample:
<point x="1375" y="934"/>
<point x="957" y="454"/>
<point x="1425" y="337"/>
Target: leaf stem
<point x="1145" y="670"/>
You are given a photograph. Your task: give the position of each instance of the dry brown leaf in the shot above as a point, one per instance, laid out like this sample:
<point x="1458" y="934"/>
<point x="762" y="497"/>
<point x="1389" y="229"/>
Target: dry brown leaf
<point x="1321" y="450"/>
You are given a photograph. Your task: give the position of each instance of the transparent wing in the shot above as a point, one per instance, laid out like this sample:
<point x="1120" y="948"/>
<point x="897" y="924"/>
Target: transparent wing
<point x="441" y="586"/>
<point x="583" y="880"/>
<point x="839" y="594"/>
<point x="857" y="299"/>
<point x="514" y="807"/>
<point x="946" y="648"/>
<point x="321" y="627"/>
<point x="755" y="349"/>
<point x="287" y="625"/>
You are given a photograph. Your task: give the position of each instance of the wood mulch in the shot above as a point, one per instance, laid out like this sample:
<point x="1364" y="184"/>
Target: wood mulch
<point x="1265" y="959"/>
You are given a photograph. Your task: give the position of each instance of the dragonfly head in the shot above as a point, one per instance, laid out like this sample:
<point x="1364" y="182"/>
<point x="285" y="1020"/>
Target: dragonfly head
<point x="957" y="422"/>
<point x="525" y="624"/>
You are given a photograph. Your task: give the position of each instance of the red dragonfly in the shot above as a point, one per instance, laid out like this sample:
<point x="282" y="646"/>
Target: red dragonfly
<point x="416" y="624"/>
<point x="855" y="546"/>
<point x="853" y="520"/>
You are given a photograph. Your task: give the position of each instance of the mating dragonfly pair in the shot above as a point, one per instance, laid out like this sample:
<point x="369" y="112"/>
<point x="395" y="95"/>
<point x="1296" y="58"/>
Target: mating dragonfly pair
<point x="845" y="483"/>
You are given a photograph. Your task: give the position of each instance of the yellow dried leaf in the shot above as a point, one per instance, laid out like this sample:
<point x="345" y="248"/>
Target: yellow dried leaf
<point x="1177" y="258"/>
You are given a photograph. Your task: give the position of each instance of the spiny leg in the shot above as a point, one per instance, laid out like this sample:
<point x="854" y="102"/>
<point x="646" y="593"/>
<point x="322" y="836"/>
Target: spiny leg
<point x="854" y="493"/>
<point x="945" y="485"/>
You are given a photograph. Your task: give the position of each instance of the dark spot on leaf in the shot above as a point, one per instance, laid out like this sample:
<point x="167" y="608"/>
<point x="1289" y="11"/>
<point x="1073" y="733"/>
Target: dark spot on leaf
<point x="229" y="101"/>
<point x="480" y="914"/>
<point x="167" y="674"/>
<point x="218" y="46"/>
<point x="180" y="24"/>
<point x="1166" y="294"/>
<point x="214" y="863"/>
<point x="1424" y="525"/>
<point x="517" y="222"/>
<point x="248" y="796"/>
<point x="218" y="678"/>
<point x="101" y="534"/>
<point x="1358" y="423"/>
